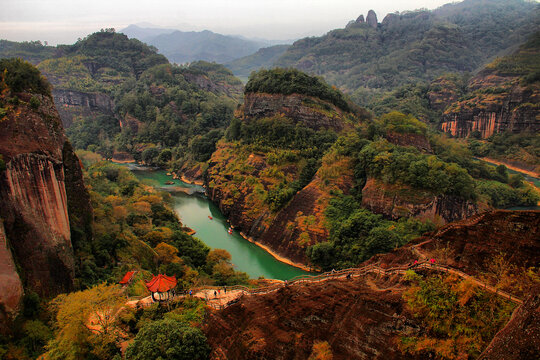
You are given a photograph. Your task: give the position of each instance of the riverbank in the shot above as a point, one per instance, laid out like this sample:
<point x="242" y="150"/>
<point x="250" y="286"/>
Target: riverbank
<point x="511" y="167"/>
<point x="277" y="256"/>
<point x="194" y="182"/>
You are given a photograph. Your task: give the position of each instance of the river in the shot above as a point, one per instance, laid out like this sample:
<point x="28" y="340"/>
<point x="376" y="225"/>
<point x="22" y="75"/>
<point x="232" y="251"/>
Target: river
<point x="194" y="210"/>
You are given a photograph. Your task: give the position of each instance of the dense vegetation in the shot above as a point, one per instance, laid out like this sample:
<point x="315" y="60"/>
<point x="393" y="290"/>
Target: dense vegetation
<point x="413" y="48"/>
<point x="457" y="319"/>
<point x="522" y="148"/>
<point x="133" y="228"/>
<point x="18" y="76"/>
<point x="170" y="114"/>
<point x="31" y="51"/>
<point x="356" y="234"/>
<point x="292" y="81"/>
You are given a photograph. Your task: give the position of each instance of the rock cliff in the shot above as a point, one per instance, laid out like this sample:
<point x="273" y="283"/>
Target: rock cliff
<point x="72" y="103"/>
<point x="234" y="167"/>
<point x="42" y="177"/>
<point x="519" y="338"/>
<point x="397" y="201"/>
<point x="309" y="111"/>
<point x="367" y="317"/>
<point x="502" y="97"/>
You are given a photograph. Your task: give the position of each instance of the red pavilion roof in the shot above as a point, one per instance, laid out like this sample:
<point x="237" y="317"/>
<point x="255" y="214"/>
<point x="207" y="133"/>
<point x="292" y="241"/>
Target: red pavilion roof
<point x="127" y="278"/>
<point x="161" y="283"/>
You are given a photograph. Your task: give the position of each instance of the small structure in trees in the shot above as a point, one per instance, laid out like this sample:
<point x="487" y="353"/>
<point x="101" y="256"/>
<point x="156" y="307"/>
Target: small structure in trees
<point x="126" y="280"/>
<point x="162" y="287"/>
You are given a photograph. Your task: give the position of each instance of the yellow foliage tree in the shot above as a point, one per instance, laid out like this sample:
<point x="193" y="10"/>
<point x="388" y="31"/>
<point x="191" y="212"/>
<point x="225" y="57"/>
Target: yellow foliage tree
<point x="87" y="323"/>
<point x="167" y="254"/>
<point x="321" y="351"/>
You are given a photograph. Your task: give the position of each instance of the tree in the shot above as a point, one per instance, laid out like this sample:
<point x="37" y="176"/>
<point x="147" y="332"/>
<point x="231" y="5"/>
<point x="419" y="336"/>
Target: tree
<point x="167" y="254"/>
<point x="87" y="323"/>
<point x="168" y="339"/>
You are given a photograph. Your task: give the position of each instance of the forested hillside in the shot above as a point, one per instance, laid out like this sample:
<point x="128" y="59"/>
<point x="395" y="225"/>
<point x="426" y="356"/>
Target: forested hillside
<point x="117" y="96"/>
<point x="414" y="47"/>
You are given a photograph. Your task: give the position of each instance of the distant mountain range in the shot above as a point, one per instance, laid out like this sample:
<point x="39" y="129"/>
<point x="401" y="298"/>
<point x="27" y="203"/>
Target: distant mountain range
<point x="188" y="46"/>
<point x="367" y="59"/>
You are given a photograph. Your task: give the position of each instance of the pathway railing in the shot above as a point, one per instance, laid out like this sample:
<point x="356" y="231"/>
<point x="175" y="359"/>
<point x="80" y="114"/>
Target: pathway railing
<point x="352" y="272"/>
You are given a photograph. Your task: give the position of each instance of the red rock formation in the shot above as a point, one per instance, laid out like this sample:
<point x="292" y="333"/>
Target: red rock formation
<point x="72" y="103"/>
<point x="396" y="201"/>
<point x="359" y="321"/>
<point x="520" y="338"/>
<point x="303" y="109"/>
<point x="34" y="198"/>
<point x="418" y="141"/>
<point x="366" y="317"/>
<point x="11" y="289"/>
<point x="498" y="100"/>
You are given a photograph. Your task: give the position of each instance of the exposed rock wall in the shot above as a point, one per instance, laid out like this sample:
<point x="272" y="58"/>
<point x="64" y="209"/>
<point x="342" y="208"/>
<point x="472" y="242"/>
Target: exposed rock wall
<point x="42" y="176"/>
<point x="520" y="338"/>
<point x="311" y="112"/>
<point x="11" y="289"/>
<point x="37" y="222"/>
<point x="71" y="103"/>
<point x="396" y="201"/>
<point x="357" y="320"/>
<point x="496" y="102"/>
<point x="418" y="141"/>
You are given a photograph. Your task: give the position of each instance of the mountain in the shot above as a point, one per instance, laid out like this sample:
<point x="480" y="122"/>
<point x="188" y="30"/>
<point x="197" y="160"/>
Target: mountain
<point x="504" y="96"/>
<point x="32" y="51"/>
<point x="368" y="59"/>
<point x="144" y="33"/>
<point x="418" y="314"/>
<point x="44" y="200"/>
<point x="264" y="58"/>
<point x="184" y="47"/>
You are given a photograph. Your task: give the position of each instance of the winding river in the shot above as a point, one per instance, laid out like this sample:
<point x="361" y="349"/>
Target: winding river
<point x="194" y="210"/>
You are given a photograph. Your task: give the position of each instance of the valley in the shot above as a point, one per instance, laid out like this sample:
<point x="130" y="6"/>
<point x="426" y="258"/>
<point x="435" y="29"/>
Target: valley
<point x="368" y="193"/>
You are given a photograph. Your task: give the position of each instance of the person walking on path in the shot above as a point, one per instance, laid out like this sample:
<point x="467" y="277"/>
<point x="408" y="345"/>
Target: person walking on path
<point x="225" y="289"/>
<point x="215" y="293"/>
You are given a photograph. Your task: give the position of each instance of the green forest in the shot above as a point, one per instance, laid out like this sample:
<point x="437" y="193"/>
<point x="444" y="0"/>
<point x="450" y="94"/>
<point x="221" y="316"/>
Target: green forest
<point x="415" y="68"/>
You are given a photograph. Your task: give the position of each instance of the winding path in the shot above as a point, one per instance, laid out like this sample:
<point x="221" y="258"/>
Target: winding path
<point x="223" y="298"/>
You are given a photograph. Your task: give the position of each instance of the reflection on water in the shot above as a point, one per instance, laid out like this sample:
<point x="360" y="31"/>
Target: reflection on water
<point x="194" y="210"/>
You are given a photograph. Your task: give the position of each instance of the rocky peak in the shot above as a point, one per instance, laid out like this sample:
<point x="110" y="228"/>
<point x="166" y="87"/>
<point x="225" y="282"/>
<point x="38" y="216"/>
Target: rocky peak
<point x="360" y="19"/>
<point x="300" y="108"/>
<point x="372" y="19"/>
<point x="390" y="18"/>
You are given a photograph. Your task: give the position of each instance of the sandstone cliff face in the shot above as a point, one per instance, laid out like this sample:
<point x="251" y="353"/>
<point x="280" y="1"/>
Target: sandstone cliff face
<point x="359" y="321"/>
<point x="216" y="87"/>
<point x="311" y="112"/>
<point x="497" y="102"/>
<point x="396" y="201"/>
<point x="418" y="141"/>
<point x="519" y="338"/>
<point x="34" y="197"/>
<point x="366" y="317"/>
<point x="233" y="169"/>
<point x="10" y="283"/>
<point x="72" y="103"/>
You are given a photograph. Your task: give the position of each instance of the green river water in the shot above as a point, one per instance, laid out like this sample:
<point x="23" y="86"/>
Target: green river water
<point x="194" y="210"/>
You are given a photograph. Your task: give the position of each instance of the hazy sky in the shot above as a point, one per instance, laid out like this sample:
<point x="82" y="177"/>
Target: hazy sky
<point x="63" y="21"/>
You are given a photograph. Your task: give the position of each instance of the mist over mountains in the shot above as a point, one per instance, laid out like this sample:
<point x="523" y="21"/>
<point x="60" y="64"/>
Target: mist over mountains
<point x="187" y="46"/>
